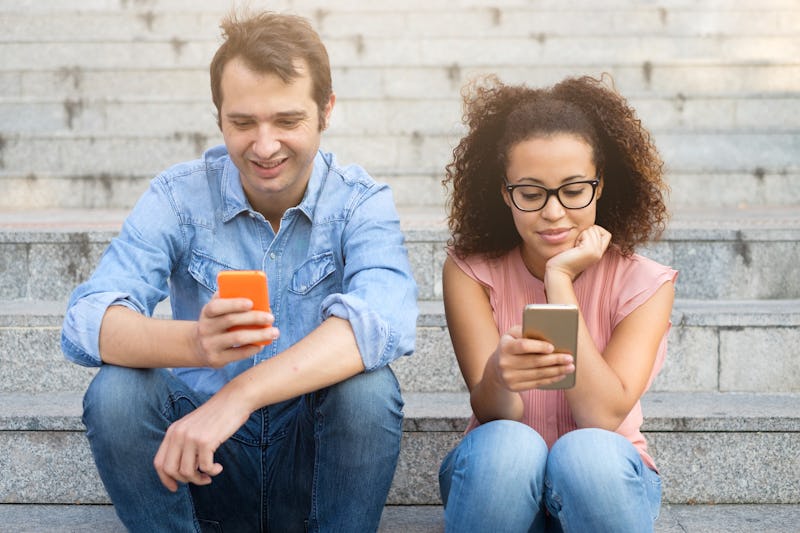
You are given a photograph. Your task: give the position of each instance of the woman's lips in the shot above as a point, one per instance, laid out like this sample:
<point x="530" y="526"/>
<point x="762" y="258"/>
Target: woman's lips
<point x="555" y="236"/>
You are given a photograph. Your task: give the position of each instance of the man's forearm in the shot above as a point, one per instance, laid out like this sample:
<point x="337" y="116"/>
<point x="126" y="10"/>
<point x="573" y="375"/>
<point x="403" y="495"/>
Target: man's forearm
<point x="128" y="338"/>
<point x="326" y="356"/>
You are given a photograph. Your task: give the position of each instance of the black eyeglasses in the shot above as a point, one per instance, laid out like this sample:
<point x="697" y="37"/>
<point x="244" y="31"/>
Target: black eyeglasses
<point x="573" y="195"/>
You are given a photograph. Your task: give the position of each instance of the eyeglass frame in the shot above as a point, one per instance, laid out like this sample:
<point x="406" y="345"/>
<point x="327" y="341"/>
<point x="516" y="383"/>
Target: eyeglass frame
<point x="594" y="182"/>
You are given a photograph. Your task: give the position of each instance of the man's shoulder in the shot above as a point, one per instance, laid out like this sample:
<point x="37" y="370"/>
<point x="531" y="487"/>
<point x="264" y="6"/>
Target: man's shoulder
<point x="350" y="174"/>
<point x="192" y="189"/>
<point x="213" y="161"/>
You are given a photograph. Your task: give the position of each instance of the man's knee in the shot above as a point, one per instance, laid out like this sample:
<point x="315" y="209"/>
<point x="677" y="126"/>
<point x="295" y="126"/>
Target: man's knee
<point x="116" y="397"/>
<point x="367" y="395"/>
<point x="365" y="412"/>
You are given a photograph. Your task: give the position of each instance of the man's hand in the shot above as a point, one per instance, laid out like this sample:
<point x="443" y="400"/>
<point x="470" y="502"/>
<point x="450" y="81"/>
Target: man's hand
<point x="186" y="454"/>
<point x="216" y="345"/>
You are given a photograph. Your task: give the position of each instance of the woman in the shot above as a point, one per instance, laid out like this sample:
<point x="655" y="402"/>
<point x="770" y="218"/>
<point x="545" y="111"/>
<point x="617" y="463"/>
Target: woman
<point x="552" y="189"/>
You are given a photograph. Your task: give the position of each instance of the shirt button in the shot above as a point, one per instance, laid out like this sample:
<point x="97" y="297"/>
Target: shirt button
<point x="272" y="256"/>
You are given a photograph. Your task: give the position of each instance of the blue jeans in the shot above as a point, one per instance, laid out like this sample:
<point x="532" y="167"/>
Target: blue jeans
<point x="321" y="462"/>
<point x="501" y="477"/>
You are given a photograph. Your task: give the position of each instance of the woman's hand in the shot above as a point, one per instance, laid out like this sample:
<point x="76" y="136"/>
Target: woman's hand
<point x="520" y="364"/>
<point x="590" y="246"/>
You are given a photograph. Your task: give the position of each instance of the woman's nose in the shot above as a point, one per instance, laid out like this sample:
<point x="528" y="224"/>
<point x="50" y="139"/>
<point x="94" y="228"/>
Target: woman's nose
<point x="553" y="209"/>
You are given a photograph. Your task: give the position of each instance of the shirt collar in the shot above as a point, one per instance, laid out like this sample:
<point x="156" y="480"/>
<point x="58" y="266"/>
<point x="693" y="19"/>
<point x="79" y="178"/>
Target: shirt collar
<point x="234" y="200"/>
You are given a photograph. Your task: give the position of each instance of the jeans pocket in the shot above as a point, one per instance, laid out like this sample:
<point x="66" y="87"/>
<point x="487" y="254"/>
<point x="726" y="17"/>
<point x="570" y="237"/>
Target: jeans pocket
<point x="654" y="493"/>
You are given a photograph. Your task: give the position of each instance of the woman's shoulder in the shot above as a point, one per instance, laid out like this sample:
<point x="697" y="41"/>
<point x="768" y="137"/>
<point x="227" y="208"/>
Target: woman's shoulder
<point x="483" y="268"/>
<point x="631" y="279"/>
<point x="632" y="265"/>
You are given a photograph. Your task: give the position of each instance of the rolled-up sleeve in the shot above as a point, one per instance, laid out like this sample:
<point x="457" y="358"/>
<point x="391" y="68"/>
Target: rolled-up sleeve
<point x="379" y="296"/>
<point x="132" y="272"/>
<point x="80" y="333"/>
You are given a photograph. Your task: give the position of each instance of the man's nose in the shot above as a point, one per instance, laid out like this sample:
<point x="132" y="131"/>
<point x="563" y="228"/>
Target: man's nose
<point x="266" y="142"/>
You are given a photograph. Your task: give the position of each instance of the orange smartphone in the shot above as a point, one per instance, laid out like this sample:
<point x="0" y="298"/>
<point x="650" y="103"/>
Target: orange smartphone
<point x="251" y="284"/>
<point x="558" y="325"/>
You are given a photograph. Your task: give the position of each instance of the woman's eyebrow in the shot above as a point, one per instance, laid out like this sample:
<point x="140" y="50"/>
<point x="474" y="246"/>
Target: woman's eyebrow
<point x="529" y="180"/>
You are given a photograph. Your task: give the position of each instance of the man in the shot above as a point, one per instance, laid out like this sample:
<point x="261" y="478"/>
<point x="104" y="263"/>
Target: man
<point x="195" y="427"/>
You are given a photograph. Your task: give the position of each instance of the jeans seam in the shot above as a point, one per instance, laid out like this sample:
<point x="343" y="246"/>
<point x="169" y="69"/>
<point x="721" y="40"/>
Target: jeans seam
<point x="318" y="423"/>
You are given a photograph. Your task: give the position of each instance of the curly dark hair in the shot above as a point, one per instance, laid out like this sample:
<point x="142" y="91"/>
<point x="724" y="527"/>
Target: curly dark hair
<point x="499" y="116"/>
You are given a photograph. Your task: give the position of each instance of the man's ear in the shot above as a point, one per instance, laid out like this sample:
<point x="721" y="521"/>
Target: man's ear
<point x="326" y="113"/>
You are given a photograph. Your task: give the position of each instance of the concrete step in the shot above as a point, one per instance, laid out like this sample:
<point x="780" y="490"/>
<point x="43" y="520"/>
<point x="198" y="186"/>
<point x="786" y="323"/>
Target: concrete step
<point x="726" y="346"/>
<point x="388" y="19"/>
<point x="725" y="254"/>
<point x="82" y="93"/>
<point x="703" y="443"/>
<point x="422" y="519"/>
<point x="437" y="115"/>
<point x="754" y="186"/>
<point x="359" y="49"/>
<point x="384" y="6"/>
<point x="697" y="78"/>
<point x="33" y="162"/>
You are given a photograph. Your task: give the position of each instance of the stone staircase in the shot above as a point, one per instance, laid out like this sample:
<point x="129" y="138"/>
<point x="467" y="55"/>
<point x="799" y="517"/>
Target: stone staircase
<point x="88" y="87"/>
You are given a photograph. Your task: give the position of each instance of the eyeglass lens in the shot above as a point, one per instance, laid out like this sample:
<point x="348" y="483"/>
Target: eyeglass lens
<point x="571" y="196"/>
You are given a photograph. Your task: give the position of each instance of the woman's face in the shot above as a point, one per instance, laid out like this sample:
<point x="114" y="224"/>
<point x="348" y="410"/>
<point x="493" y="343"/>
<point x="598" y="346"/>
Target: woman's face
<point x="550" y="162"/>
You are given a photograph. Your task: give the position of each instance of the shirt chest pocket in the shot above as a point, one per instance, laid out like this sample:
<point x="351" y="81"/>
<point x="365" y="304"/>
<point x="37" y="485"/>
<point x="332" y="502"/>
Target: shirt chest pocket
<point x="312" y="273"/>
<point x="204" y="269"/>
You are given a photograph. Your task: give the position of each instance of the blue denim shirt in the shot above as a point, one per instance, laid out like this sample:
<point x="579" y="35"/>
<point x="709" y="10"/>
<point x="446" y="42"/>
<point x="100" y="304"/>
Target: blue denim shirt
<point x="340" y="253"/>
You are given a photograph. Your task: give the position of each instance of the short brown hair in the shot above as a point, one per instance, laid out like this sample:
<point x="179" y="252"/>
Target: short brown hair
<point x="272" y="43"/>
<point x="499" y="116"/>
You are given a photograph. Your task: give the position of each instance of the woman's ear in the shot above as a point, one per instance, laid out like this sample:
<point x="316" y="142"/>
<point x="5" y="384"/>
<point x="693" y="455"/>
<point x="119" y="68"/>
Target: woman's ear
<point x="505" y="194"/>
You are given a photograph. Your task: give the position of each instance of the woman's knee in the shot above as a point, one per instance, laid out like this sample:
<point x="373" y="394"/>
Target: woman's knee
<point x="503" y="450"/>
<point x="507" y="445"/>
<point x="592" y="453"/>
<point x="597" y="476"/>
<point x="501" y="460"/>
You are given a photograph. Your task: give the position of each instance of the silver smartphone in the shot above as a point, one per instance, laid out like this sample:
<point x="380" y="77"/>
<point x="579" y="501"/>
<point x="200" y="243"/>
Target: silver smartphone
<point x="558" y="325"/>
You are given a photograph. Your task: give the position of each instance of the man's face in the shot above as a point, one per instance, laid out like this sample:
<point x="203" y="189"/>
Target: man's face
<point x="271" y="130"/>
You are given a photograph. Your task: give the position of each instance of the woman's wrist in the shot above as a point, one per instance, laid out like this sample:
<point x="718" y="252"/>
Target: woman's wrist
<point x="555" y="277"/>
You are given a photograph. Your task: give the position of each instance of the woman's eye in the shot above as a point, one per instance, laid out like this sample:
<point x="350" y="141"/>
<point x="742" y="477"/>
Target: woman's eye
<point x="531" y="195"/>
<point x="574" y="191"/>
